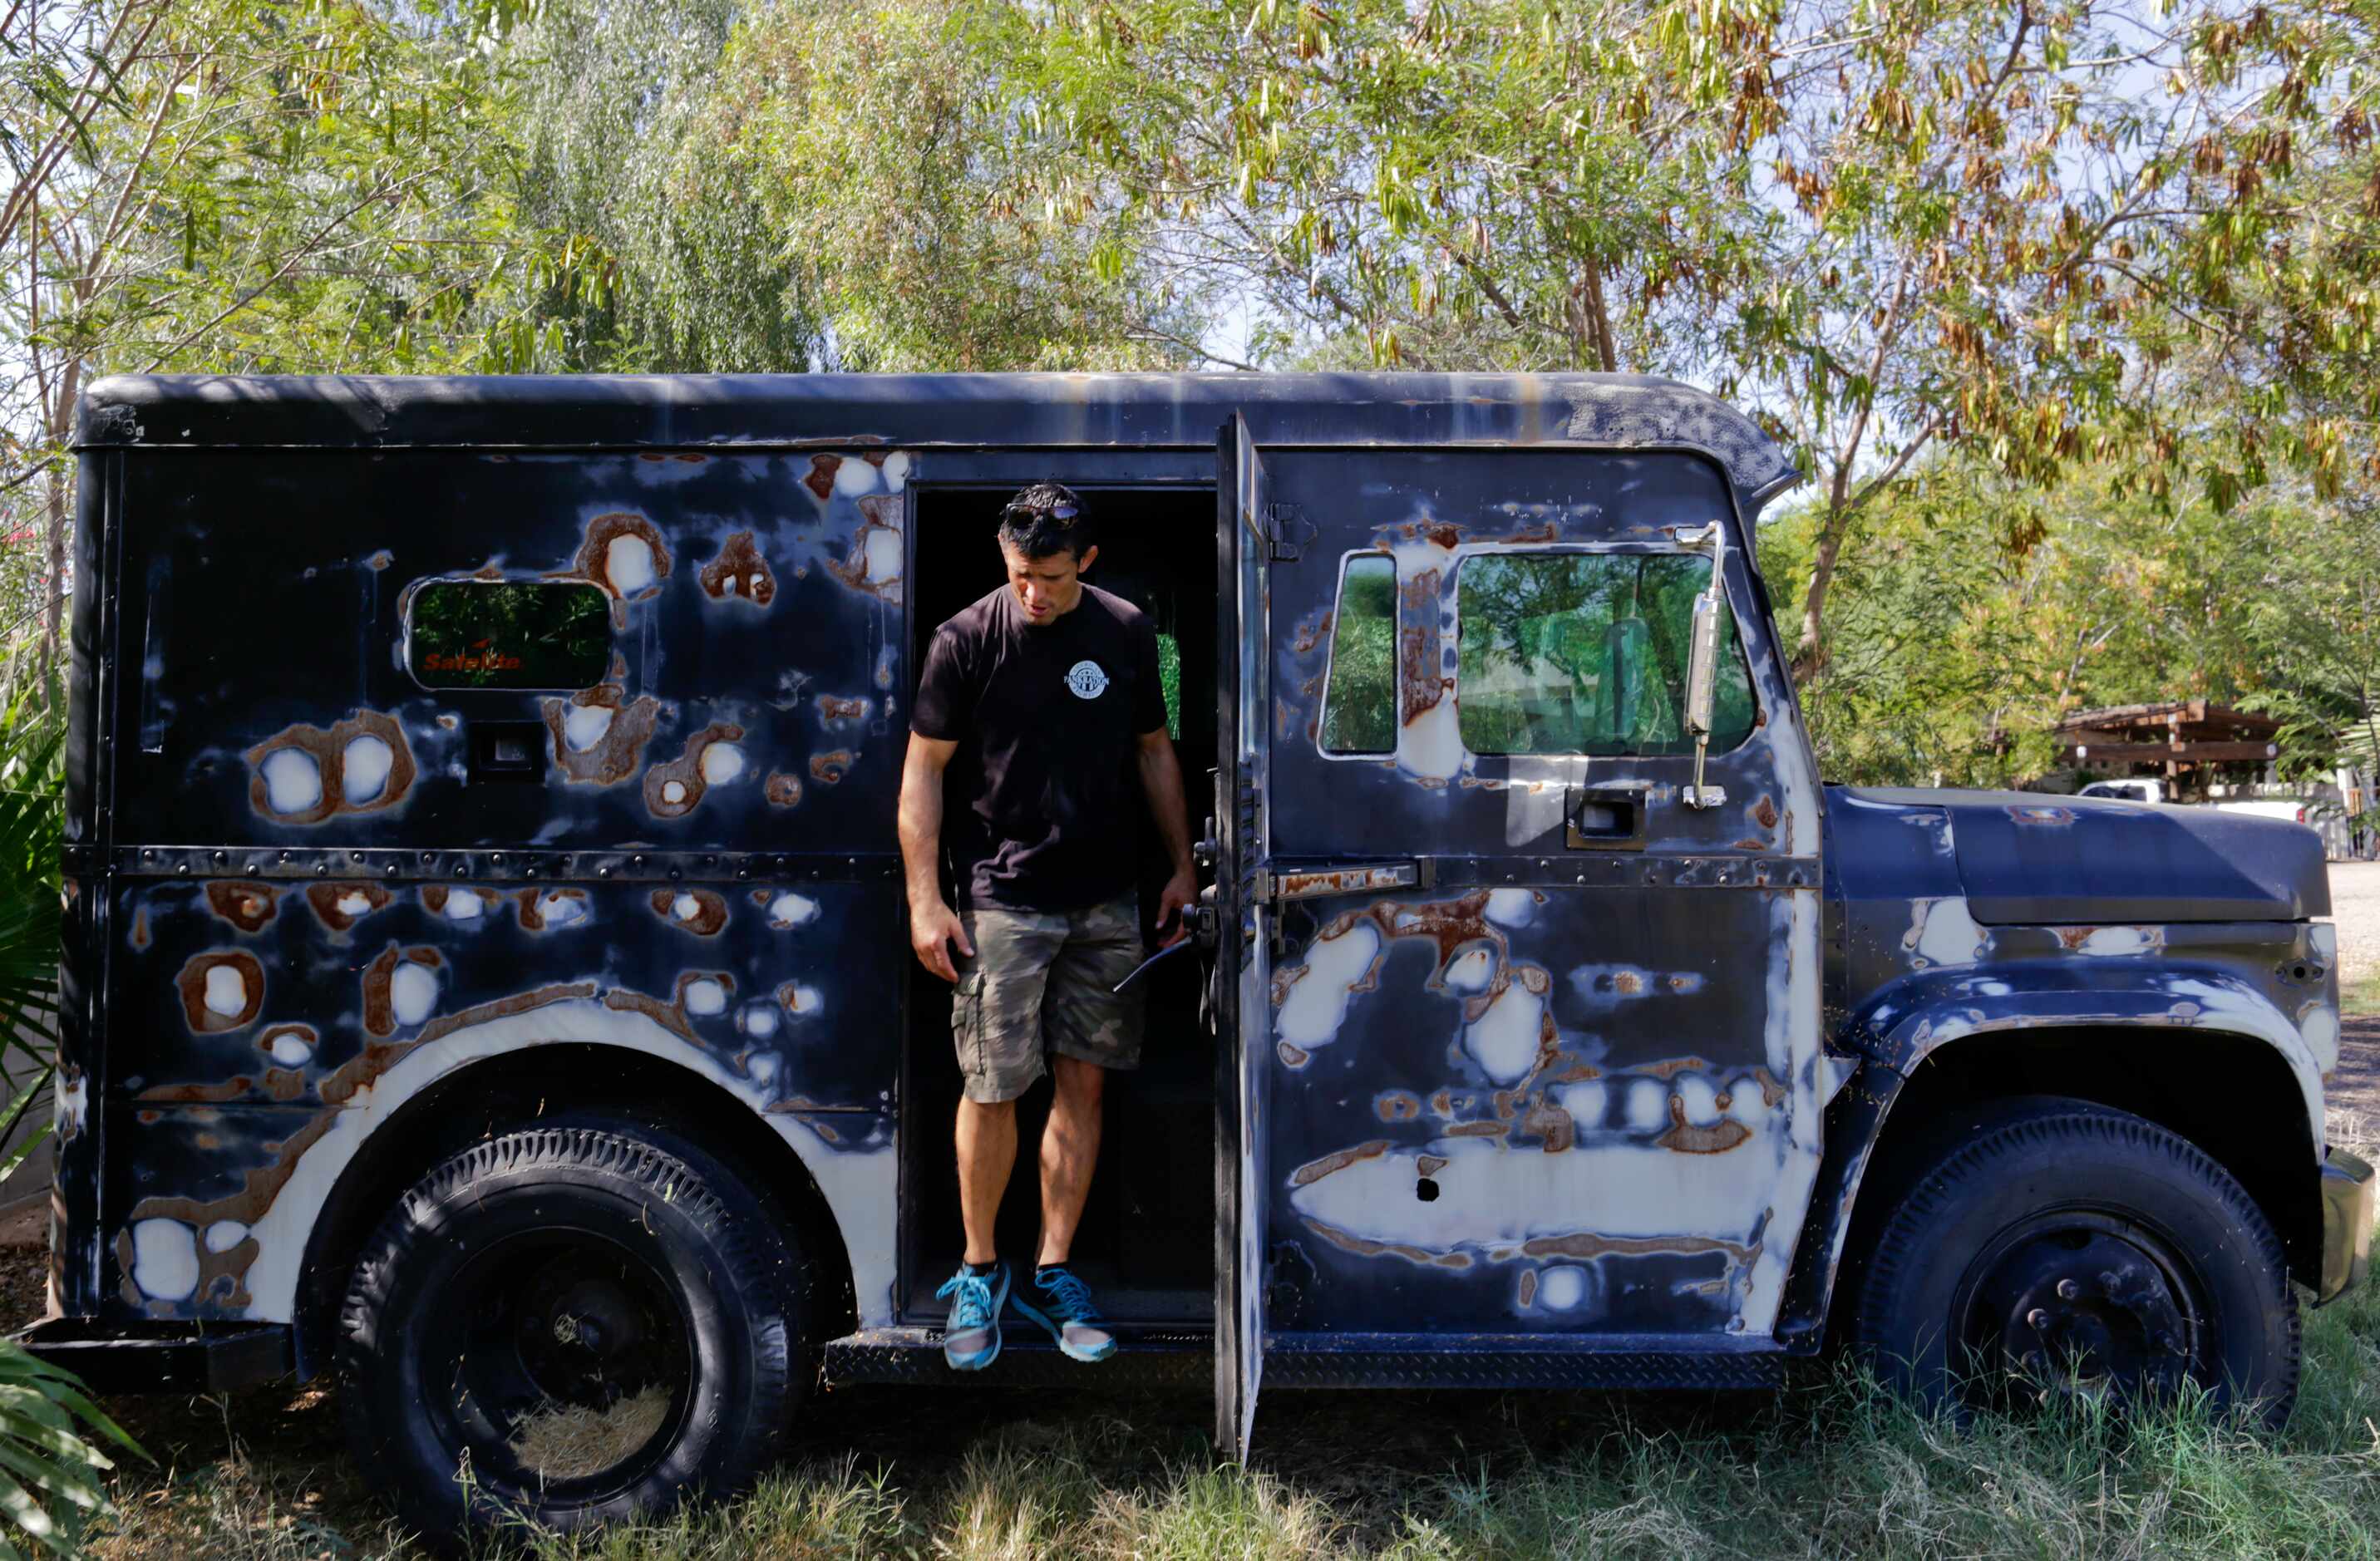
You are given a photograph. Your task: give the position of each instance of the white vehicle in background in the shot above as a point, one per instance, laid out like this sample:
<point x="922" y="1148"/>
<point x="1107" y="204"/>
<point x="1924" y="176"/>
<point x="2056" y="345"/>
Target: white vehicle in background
<point x="2291" y="810"/>
<point x="2126" y="791"/>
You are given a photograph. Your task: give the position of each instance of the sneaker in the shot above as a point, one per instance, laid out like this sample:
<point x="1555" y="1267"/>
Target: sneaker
<point x="971" y="1334"/>
<point x="1063" y="1304"/>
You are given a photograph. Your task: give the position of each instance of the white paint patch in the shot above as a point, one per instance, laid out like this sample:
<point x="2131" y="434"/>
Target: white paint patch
<point x="226" y="1234"/>
<point x="68" y="1103"/>
<point x="1793" y="1048"/>
<point x="1561" y="1288"/>
<point x="759" y="1019"/>
<point x="1699" y="1098"/>
<point x="762" y="1066"/>
<point x="673" y="790"/>
<point x="561" y="910"/>
<point x="2118" y="941"/>
<point x="883" y="555"/>
<point x="685" y="907"/>
<point x="1649" y="1106"/>
<point x="1504" y="1041"/>
<point x="464" y="905"/>
<point x="705" y="997"/>
<point x="896" y="471"/>
<point x="2319" y="1029"/>
<point x="165" y="1259"/>
<point x="1316" y="1004"/>
<point x="412" y="992"/>
<point x="1747" y="1102"/>
<point x="1511" y="907"/>
<point x="727" y="583"/>
<point x="628" y="564"/>
<point x="858" y="1184"/>
<point x="354" y="903"/>
<point x="753" y="581"/>
<point x="1585" y="1103"/>
<point x="293" y="781"/>
<point x="721" y="762"/>
<point x="226" y="991"/>
<point x="2324" y="936"/>
<point x="583" y="726"/>
<point x="803" y="1000"/>
<point x="363" y="769"/>
<point x="1472" y="970"/>
<point x="289" y="1051"/>
<point x="856" y="476"/>
<point x="792" y="909"/>
<point x="1942" y="933"/>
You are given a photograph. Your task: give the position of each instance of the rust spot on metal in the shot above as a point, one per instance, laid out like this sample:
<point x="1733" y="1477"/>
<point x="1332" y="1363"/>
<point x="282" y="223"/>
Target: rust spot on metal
<point x="216" y="1094"/>
<point x="1749" y="844"/>
<point x="224" y="1275"/>
<point x="1478" y="1129"/>
<point x="1577" y="1074"/>
<point x="532" y="910"/>
<point x="1338" y="1160"/>
<point x="1587" y="1245"/>
<point x="141" y="927"/>
<point x="612" y="756"/>
<point x="834" y="707"/>
<point x="1293" y="1055"/>
<point x="593" y="564"/>
<point x="1398" y="1105"/>
<point x="783" y="790"/>
<point x="667" y="1015"/>
<point x="1764" y="812"/>
<point x="1671" y="1067"/>
<point x="820" y="480"/>
<point x="675" y="789"/>
<point x="380" y="560"/>
<point x="380" y="1014"/>
<point x="325" y="897"/>
<point x="1421" y="674"/>
<point x="246" y="906"/>
<point x="1687" y="1138"/>
<point x="700" y="911"/>
<point x="1627" y="983"/>
<point x="1431" y="1165"/>
<point x="193" y="984"/>
<point x="1310" y="636"/>
<point x="874" y="563"/>
<point x="829" y="768"/>
<point x="502" y="1007"/>
<point x="1528" y="1286"/>
<point x="2074" y="936"/>
<point x="2052" y="818"/>
<point x="1551" y="1123"/>
<point x="1772" y="1093"/>
<point x="1445" y="534"/>
<point x="328" y="752"/>
<point x="434" y="898"/>
<point x="740" y="572"/>
<point x="1365" y="1246"/>
<point x="1544" y="531"/>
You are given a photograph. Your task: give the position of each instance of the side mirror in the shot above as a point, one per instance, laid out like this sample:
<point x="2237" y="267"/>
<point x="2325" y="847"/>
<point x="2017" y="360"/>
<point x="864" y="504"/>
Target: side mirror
<point x="1702" y="661"/>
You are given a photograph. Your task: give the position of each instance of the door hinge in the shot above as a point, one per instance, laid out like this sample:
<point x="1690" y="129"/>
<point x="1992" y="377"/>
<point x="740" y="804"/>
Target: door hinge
<point x="1288" y="531"/>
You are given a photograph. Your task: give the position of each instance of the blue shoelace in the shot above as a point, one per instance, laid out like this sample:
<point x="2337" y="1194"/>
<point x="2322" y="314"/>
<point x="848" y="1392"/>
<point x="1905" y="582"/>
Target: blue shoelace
<point x="1071" y="1296"/>
<point x="970" y="1299"/>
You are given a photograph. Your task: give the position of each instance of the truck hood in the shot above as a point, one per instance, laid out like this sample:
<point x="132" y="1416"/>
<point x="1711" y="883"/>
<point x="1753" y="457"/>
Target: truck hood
<point x="2025" y="858"/>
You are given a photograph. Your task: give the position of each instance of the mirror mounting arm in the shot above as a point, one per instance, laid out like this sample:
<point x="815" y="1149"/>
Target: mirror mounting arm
<point x="1702" y="663"/>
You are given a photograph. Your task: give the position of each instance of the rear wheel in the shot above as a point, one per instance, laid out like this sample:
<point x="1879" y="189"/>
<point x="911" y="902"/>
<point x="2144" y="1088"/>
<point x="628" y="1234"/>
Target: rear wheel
<point x="2064" y="1246"/>
<point x="570" y="1324"/>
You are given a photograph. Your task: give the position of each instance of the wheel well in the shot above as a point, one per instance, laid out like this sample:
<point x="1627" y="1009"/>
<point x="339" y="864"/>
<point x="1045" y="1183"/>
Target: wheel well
<point x="2233" y="1096"/>
<point x="486" y="1099"/>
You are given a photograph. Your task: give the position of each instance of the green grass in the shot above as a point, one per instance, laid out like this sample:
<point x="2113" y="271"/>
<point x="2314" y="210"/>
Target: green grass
<point x="2362" y="998"/>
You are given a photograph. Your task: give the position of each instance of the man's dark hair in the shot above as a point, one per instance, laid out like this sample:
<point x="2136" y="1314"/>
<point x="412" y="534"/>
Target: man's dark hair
<point x="1046" y="518"/>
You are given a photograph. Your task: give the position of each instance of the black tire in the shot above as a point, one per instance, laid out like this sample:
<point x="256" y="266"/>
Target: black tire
<point x="585" y="1321"/>
<point x="2174" y="1270"/>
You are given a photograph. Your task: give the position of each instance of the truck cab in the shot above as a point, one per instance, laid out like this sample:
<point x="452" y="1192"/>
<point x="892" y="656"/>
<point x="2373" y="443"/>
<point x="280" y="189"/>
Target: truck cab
<point x="485" y="980"/>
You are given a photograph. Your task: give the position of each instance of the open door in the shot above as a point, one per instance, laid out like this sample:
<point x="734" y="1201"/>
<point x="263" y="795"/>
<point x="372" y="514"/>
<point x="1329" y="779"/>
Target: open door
<point x="1242" y="1006"/>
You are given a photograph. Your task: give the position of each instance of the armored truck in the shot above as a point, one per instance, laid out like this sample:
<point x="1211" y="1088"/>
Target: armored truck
<point x="486" y="982"/>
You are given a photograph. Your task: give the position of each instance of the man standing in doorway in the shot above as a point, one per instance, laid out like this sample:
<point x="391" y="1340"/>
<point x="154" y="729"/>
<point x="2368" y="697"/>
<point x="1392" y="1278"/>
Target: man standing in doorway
<point x="1036" y="705"/>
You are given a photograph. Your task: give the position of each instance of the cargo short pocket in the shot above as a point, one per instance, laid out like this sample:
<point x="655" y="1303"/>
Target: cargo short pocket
<point x="966" y="1024"/>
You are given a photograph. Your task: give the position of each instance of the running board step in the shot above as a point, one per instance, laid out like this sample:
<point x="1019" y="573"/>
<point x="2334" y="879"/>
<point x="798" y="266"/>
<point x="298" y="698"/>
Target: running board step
<point x="1320" y="1360"/>
<point x="1145" y="1358"/>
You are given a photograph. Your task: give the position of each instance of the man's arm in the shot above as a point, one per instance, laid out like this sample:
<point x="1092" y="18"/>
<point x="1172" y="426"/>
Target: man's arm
<point x="1160" y="777"/>
<point x="933" y="924"/>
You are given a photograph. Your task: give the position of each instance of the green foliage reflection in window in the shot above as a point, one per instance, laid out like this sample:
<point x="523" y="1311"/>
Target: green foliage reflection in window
<point x="1169" y="679"/>
<point x="1359" y="708"/>
<point x="509" y="634"/>
<point x="1585" y="653"/>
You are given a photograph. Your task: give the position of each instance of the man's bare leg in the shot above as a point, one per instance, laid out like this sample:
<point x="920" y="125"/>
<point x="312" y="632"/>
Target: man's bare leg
<point x="987" y="1144"/>
<point x="1069" y="1148"/>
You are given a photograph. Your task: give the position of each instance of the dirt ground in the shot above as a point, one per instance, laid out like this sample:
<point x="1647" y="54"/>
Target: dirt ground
<point x="2355" y="1088"/>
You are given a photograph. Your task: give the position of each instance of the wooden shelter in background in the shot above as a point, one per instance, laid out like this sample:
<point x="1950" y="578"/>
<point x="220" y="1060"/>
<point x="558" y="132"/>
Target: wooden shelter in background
<point x="2189" y="741"/>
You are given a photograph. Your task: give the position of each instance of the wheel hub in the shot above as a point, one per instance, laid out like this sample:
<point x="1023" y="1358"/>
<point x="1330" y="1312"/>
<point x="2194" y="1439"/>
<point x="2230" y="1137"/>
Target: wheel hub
<point x="2086" y="1310"/>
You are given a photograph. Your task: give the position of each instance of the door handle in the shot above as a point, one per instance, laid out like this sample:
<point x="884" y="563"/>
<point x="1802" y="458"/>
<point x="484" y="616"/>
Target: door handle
<point x="1606" y="817"/>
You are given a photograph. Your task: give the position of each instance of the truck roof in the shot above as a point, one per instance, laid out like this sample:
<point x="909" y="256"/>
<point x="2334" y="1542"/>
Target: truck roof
<point x="679" y="411"/>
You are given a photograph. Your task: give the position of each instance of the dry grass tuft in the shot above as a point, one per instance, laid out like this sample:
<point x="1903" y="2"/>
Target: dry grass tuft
<point x="569" y="1441"/>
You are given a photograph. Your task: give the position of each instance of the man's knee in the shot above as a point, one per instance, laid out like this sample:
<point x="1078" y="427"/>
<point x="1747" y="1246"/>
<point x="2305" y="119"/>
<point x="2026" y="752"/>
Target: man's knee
<point x="1077" y="1080"/>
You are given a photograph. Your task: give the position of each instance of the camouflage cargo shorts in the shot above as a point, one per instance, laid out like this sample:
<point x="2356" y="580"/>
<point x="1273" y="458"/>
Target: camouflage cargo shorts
<point x="1045" y="980"/>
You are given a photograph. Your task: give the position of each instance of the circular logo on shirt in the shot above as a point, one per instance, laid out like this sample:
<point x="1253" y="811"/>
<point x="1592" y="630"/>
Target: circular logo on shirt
<point x="1087" y="680"/>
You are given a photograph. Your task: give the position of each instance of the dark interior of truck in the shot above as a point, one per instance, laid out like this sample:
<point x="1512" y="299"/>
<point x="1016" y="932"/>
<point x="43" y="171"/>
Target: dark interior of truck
<point x="1147" y="1242"/>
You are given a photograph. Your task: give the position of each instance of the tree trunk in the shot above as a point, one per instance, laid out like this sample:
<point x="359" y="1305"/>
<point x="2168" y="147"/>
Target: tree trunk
<point x="1809" y="651"/>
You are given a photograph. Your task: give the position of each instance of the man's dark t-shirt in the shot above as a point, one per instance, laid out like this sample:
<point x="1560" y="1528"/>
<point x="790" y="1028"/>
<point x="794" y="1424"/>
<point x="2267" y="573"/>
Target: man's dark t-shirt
<point x="1036" y="815"/>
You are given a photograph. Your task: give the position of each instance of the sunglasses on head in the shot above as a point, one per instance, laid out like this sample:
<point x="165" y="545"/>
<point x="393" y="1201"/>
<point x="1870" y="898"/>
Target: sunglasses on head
<point x="1061" y="511"/>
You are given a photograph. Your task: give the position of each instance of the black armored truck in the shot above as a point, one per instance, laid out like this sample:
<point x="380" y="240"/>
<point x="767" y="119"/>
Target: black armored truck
<point x="486" y="978"/>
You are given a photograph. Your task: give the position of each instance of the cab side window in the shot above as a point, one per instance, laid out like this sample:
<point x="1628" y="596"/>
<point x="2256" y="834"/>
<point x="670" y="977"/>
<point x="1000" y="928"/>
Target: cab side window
<point x="507" y="633"/>
<point x="1585" y="653"/>
<point x="1359" y="701"/>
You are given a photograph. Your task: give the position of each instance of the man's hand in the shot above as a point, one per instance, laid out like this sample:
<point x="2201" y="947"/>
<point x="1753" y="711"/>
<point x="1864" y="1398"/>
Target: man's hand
<point x="932" y="928"/>
<point x="1174" y="905"/>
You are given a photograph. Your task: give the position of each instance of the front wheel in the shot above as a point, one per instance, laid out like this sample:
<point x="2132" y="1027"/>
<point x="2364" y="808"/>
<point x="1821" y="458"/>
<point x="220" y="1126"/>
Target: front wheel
<point x="2063" y="1246"/>
<point x="568" y="1324"/>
